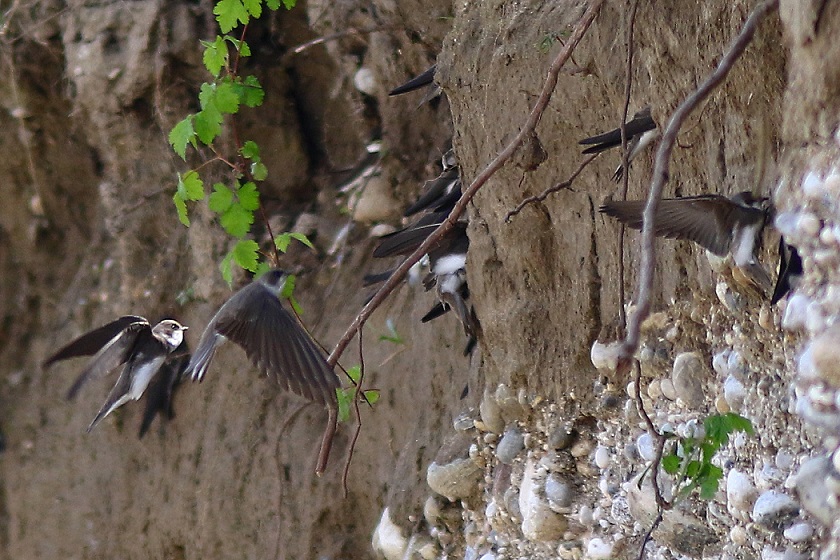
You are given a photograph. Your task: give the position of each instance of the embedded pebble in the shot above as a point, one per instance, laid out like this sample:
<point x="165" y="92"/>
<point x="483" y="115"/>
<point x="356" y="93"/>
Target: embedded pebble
<point x="376" y="202"/>
<point x="795" y="314"/>
<point x="740" y="492"/>
<point x="561" y="437"/>
<point x="814" y="317"/>
<point x="599" y="549"/>
<point x="558" y="492"/>
<point x="738" y="535"/>
<point x="488" y="556"/>
<point x="825" y="353"/>
<point x="810" y="485"/>
<point x="539" y="521"/>
<point x="365" y="81"/>
<point x="388" y="538"/>
<point x="773" y="508"/>
<point x="799" y="532"/>
<point x="668" y="389"/>
<point x="687" y="376"/>
<point x="646" y="447"/>
<point x="454" y="480"/>
<point x="586" y="516"/>
<point x="727" y="297"/>
<point x="605" y="356"/>
<point x="812" y="185"/>
<point x="603" y="457"/>
<point x="734" y="392"/>
<point x="510" y="445"/>
<point x="654" y="390"/>
<point x="491" y="413"/>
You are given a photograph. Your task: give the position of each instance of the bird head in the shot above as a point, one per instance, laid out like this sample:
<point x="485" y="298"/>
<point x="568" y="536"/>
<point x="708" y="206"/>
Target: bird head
<point x="274" y="280"/>
<point x="170" y="332"/>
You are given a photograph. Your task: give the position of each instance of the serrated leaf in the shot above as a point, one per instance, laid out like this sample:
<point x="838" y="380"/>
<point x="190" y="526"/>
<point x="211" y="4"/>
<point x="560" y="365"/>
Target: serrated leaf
<point x="229" y="13"/>
<point x="250" y="150"/>
<point x="259" y="171"/>
<point x="237" y="221"/>
<point x="710" y="484"/>
<point x="254" y="7"/>
<point x="206" y="94"/>
<point x="355" y="373"/>
<point x="221" y="199"/>
<point x="226" y="268"/>
<point x="303" y="239"/>
<point x="215" y="55"/>
<point x="262" y="268"/>
<point x="249" y="197"/>
<point x="272" y="4"/>
<point x="226" y="98"/>
<point x="241" y="46"/>
<point x="182" y="134"/>
<point x="190" y="186"/>
<point x="719" y="426"/>
<point x="245" y="254"/>
<point x="181" y="208"/>
<point x="251" y="92"/>
<point x="671" y="464"/>
<point x="372" y="396"/>
<point x="208" y="124"/>
<point x="289" y="4"/>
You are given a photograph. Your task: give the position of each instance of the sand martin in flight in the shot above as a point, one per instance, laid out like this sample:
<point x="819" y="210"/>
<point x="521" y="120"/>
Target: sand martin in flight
<point x="130" y="340"/>
<point x="641" y="131"/>
<point x="255" y="319"/>
<point x="719" y="224"/>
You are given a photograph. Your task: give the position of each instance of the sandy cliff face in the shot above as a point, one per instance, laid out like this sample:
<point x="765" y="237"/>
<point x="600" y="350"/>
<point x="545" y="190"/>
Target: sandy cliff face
<point x="545" y="455"/>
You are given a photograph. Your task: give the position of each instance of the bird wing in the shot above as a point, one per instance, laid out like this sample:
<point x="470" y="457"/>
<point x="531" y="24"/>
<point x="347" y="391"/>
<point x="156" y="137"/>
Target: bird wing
<point x="641" y="123"/>
<point x="440" y="191"/>
<point x="276" y="344"/>
<point x="92" y="342"/>
<point x="116" y="352"/>
<point x="160" y="390"/>
<point x="416" y="82"/>
<point x="696" y="218"/>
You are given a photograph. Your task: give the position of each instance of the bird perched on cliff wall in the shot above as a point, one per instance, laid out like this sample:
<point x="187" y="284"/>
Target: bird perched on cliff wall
<point x="640" y="130"/>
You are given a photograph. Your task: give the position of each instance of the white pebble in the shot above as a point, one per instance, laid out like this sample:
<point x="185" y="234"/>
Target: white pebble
<point x="740" y="492"/>
<point x="734" y="392"/>
<point x="814" y="318"/>
<point x="772" y="507"/>
<point x="808" y="224"/>
<point x="786" y="223"/>
<point x="812" y="185"/>
<point x="605" y="356"/>
<point x="644" y="443"/>
<point x="603" y="457"/>
<point x="784" y="460"/>
<point x="585" y="516"/>
<point x="799" y="532"/>
<point x="668" y="389"/>
<point x="598" y="548"/>
<point x="365" y="81"/>
<point x="795" y="314"/>
<point x="720" y="363"/>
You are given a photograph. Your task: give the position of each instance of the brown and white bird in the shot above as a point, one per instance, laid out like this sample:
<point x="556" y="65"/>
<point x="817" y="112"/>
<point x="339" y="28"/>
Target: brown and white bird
<point x="130" y="340"/>
<point x="719" y="224"/>
<point x="254" y="318"/>
<point x="640" y="130"/>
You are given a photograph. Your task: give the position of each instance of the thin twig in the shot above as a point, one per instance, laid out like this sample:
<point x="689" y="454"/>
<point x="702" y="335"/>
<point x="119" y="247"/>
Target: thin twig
<point x="661" y="503"/>
<point x="341" y="34"/>
<point x="660" y="176"/>
<point x="356" y="395"/>
<point x="552" y="189"/>
<point x="649" y="533"/>
<point x="625" y="160"/>
<point x="461" y="206"/>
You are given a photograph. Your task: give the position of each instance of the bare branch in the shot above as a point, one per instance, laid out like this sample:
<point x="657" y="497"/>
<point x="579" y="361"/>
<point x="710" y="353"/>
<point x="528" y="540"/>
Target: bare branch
<point x="341" y="34"/>
<point x="660" y="176"/>
<point x="359" y="392"/>
<point x="500" y="160"/>
<point x="550" y="190"/>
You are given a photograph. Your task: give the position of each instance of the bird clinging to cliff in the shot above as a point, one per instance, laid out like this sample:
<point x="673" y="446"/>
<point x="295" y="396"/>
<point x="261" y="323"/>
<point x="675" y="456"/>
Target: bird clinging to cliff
<point x="640" y="130"/>
<point x="719" y="224"/>
<point x="130" y="340"/>
<point x="790" y="270"/>
<point x="424" y="79"/>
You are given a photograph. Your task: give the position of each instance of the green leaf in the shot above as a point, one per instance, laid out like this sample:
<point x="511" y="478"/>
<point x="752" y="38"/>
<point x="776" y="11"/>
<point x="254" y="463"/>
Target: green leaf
<point x="215" y="55"/>
<point x="372" y="396"/>
<point x="711" y="482"/>
<point x="221" y="199"/>
<point x="288" y="287"/>
<point x="355" y="373"/>
<point x="259" y="171"/>
<point x="671" y="464"/>
<point x="237" y="221"/>
<point x="226" y="98"/>
<point x="283" y="240"/>
<point x="393" y="335"/>
<point x="254" y="7"/>
<point x="226" y="268"/>
<point x="251" y="92"/>
<point x="190" y="186"/>
<point x="303" y="239"/>
<point x="249" y="197"/>
<point x="262" y="268"/>
<point x="289" y="4"/>
<point x="181" y="208"/>
<point x="208" y="124"/>
<point x="719" y="426"/>
<point x="296" y="306"/>
<point x="241" y="46"/>
<point x="693" y="468"/>
<point x="272" y="4"/>
<point x="250" y="150"/>
<point x="206" y="94"/>
<point x="182" y="134"/>
<point x="229" y="12"/>
<point x="245" y="254"/>
<point x="345" y="397"/>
